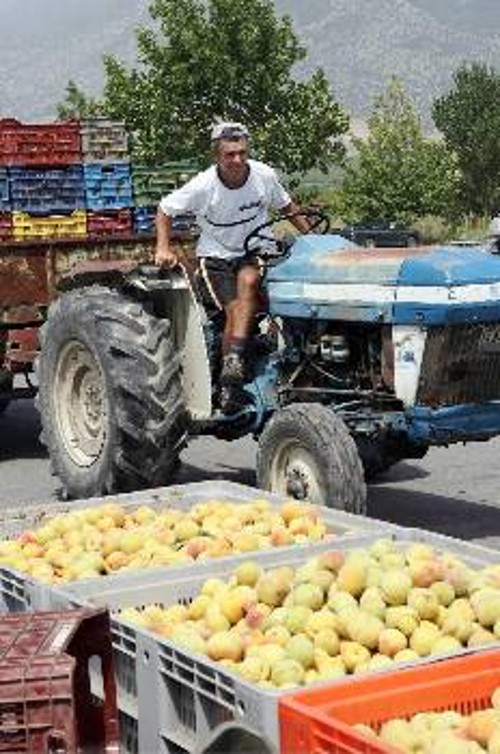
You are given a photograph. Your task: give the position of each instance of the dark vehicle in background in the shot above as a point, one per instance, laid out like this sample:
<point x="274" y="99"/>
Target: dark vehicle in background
<point x="380" y="233"/>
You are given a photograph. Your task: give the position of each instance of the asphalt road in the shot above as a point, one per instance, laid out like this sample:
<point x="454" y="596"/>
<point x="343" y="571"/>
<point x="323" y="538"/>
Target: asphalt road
<point x="454" y="491"/>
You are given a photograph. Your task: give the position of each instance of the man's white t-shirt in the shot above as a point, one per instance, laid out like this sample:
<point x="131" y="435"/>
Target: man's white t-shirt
<point x="226" y="216"/>
<point x="495" y="226"/>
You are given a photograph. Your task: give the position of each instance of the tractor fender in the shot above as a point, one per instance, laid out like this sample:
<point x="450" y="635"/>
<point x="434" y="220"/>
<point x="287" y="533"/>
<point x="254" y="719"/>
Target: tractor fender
<point x="188" y="318"/>
<point x="112" y="273"/>
<point x="180" y="306"/>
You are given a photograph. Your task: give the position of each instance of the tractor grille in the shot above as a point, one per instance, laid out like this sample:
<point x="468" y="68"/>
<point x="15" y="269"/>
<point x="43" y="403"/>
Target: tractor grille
<point x="461" y="364"/>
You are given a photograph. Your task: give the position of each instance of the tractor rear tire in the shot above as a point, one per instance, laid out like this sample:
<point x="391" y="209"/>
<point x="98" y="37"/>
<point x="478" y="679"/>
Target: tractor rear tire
<point x="306" y="451"/>
<point x="110" y="395"/>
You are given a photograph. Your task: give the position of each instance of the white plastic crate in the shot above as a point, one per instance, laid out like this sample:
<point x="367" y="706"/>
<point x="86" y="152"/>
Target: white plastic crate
<point x="20" y="592"/>
<point x="104" y="141"/>
<point x="179" y="698"/>
<point x="14" y="521"/>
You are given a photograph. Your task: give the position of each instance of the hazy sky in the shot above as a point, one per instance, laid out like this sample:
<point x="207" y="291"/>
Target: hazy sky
<point x="359" y="43"/>
<point x="46" y="42"/>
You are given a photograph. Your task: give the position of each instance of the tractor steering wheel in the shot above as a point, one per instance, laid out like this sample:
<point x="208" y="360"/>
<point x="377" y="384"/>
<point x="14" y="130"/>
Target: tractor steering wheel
<point x="258" y="242"/>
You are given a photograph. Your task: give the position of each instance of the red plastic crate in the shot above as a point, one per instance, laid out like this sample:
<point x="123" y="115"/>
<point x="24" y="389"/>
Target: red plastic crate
<point x="21" y="349"/>
<point x="39" y="144"/>
<point x="46" y="703"/>
<point x="5" y="226"/>
<point x="319" y="720"/>
<point x="109" y="222"/>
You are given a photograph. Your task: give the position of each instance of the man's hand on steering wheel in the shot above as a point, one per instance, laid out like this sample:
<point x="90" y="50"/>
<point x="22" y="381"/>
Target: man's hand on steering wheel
<point x="258" y="242"/>
<point x="319" y="222"/>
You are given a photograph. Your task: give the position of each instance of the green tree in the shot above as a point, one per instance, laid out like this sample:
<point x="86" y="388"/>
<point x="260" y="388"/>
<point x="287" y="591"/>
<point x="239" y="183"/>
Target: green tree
<point x="77" y="104"/>
<point x="469" y="118"/>
<point x="230" y="59"/>
<point x="396" y="172"/>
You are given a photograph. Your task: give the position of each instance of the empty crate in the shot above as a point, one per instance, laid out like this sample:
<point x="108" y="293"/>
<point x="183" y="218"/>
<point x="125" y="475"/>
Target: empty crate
<point x="46" y="704"/>
<point x="39" y="144"/>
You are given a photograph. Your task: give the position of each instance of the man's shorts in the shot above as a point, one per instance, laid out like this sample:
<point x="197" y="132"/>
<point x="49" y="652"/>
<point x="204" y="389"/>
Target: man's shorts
<point x="217" y="279"/>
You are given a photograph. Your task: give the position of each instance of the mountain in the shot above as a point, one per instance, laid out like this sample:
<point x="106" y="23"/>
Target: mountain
<point x="359" y="44"/>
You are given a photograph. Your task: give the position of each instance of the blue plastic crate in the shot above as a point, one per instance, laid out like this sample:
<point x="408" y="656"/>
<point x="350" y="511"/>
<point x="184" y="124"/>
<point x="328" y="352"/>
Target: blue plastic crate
<point x="5" y="203"/>
<point x="47" y="190"/>
<point x="144" y="219"/>
<point x="108" y="186"/>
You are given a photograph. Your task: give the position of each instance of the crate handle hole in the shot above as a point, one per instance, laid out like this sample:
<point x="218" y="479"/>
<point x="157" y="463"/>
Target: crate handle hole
<point x="145" y="656"/>
<point x="58" y="743"/>
<point x="95" y="671"/>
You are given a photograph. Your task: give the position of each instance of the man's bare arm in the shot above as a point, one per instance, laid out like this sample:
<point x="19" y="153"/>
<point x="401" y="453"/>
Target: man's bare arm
<point x="164" y="255"/>
<point x="298" y="220"/>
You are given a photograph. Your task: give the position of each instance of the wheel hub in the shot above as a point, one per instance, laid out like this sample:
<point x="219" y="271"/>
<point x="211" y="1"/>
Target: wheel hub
<point x="296" y="485"/>
<point x="295" y="472"/>
<point x="92" y="403"/>
<point x="80" y="404"/>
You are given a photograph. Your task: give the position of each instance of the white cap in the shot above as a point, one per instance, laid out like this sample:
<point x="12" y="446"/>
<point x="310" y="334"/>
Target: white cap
<point x="229" y="130"/>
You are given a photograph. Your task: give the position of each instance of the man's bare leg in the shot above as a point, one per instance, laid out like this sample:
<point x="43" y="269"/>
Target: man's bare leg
<point x="240" y="314"/>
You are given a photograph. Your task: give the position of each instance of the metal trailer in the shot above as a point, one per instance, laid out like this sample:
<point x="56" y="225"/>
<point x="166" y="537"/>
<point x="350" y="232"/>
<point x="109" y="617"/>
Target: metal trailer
<point x="29" y="275"/>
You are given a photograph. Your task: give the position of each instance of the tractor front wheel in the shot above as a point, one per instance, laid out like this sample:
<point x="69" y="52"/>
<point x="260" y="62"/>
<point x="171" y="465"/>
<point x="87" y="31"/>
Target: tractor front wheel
<point x="109" y="394"/>
<point x="306" y="452"/>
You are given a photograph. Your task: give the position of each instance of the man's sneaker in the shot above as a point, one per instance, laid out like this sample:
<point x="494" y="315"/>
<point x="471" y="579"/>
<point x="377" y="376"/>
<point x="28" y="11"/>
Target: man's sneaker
<point x="233" y="368"/>
<point x="232" y="399"/>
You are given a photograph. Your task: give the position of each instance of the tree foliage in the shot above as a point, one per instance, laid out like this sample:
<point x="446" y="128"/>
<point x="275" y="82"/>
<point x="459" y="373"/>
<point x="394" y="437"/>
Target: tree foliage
<point x="469" y="118"/>
<point x="396" y="172"/>
<point x="78" y="104"/>
<point x="204" y="60"/>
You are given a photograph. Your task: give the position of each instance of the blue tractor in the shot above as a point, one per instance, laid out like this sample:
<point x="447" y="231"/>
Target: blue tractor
<point x="361" y="358"/>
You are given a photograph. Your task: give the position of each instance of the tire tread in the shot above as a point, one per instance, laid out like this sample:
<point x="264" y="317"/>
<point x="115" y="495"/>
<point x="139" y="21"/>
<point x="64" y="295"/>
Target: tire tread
<point x="313" y="420"/>
<point x="137" y="355"/>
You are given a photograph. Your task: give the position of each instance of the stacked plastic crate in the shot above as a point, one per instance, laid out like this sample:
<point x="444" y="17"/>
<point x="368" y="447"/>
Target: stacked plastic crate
<point x="41" y="181"/>
<point x="107" y="176"/>
<point x="150" y="184"/>
<point x="5" y="206"/>
<point x="174" y="696"/>
<point x="75" y="178"/>
<point x="183" y="709"/>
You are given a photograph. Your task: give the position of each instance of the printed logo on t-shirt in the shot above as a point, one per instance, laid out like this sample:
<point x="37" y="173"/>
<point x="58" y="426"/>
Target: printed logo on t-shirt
<point x="250" y="205"/>
<point x="258" y="204"/>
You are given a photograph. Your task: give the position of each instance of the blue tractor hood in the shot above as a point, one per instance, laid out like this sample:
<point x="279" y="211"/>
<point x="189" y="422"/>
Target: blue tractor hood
<point x="328" y="277"/>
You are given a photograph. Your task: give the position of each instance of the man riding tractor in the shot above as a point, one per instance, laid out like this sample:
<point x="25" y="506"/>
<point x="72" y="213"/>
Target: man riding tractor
<point x="229" y="200"/>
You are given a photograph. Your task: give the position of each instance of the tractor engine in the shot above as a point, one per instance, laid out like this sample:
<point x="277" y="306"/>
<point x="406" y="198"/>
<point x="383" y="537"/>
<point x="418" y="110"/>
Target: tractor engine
<point x="323" y="361"/>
